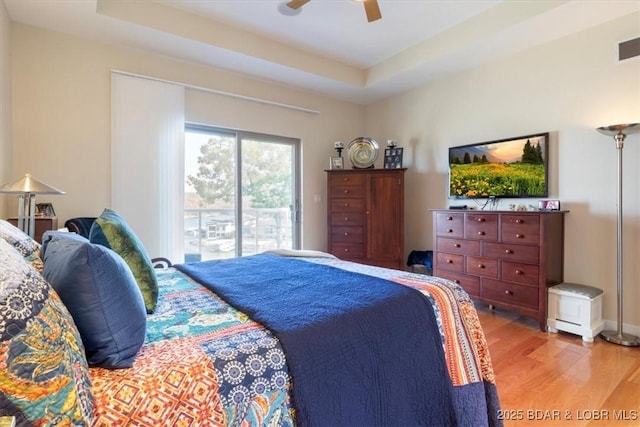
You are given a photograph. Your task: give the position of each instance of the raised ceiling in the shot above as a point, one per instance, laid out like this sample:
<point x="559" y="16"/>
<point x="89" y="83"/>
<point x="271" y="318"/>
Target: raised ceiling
<point x="328" y="47"/>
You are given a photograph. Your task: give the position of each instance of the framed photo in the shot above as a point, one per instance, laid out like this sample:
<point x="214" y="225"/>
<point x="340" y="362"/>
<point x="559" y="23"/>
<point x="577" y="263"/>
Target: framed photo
<point x="45" y="209"/>
<point x="549" y="205"/>
<point x="393" y="157"/>
<point x="336" y="163"/>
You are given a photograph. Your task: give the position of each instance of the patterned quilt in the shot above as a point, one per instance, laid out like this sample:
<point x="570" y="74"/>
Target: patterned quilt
<point x="205" y="363"/>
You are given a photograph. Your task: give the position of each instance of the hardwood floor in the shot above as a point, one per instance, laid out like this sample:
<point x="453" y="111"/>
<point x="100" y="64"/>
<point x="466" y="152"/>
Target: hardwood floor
<point x="547" y="379"/>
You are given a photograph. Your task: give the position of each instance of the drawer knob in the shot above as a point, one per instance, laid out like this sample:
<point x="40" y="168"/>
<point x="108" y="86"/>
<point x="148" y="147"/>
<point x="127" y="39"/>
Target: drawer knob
<point x="346" y="205"/>
<point x="518" y="271"/>
<point x="449" y="218"/>
<point x="346" y="191"/>
<point x="480" y="233"/>
<point x="480" y="220"/>
<point x="449" y="231"/>
<point x="456" y="281"/>
<point x="346" y="233"/>
<point x="456" y="245"/>
<point x="519" y="236"/>
<point x="449" y="261"/>
<point x="519" y="221"/>
<point x="346" y="218"/>
<point x="508" y="292"/>
<point x="480" y="265"/>
<point x="508" y="251"/>
<point x="346" y="249"/>
<point x="345" y="179"/>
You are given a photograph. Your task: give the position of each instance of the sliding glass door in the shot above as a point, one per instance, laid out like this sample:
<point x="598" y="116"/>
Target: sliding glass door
<point x="241" y="193"/>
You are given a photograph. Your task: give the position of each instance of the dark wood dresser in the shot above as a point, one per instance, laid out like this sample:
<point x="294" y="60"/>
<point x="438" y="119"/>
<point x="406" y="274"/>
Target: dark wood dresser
<point x="503" y="258"/>
<point x="365" y="216"/>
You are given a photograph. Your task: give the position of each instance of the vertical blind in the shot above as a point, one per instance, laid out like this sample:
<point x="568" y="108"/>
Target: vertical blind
<point x="147" y="160"/>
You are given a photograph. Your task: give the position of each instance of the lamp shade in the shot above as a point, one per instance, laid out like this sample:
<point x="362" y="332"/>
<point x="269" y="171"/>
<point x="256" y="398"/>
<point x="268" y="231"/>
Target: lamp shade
<point x="614" y="130"/>
<point x="28" y="184"/>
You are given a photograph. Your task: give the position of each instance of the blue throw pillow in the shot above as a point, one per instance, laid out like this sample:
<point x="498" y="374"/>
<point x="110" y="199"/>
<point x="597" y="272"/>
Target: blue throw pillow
<point x="102" y="296"/>
<point x="48" y="235"/>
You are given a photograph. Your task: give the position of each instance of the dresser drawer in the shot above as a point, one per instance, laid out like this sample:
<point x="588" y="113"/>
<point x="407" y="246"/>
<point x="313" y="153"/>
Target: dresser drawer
<point x="347" y="205"/>
<point x="521" y="273"/>
<point x="520" y="228"/>
<point x="343" y="219"/>
<point x="450" y="262"/>
<point x="471" y="284"/>
<point x="347" y="234"/>
<point x="480" y="266"/>
<point x="450" y="224"/>
<point x="347" y="250"/>
<point x="347" y="191"/>
<point x="481" y="226"/>
<point x="524" y="253"/>
<point x="458" y="246"/>
<point x="510" y="293"/>
<point x="337" y="179"/>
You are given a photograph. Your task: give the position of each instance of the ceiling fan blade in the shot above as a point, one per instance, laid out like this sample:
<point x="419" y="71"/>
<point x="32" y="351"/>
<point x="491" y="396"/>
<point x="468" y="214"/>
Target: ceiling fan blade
<point x="372" y="10"/>
<point x="295" y="4"/>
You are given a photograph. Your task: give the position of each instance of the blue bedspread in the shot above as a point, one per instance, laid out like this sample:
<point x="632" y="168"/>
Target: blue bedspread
<point x="362" y="351"/>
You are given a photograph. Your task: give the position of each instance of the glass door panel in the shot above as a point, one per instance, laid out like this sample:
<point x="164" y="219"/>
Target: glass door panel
<point x="268" y="195"/>
<point x="210" y="195"/>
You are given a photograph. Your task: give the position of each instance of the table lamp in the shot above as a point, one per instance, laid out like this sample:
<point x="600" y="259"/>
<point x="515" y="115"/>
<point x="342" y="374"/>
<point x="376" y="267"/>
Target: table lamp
<point x="27" y="187"/>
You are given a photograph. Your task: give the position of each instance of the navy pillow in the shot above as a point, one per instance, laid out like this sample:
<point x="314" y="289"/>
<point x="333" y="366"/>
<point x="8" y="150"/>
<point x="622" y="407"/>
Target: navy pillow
<point x="102" y="296"/>
<point x="48" y="235"/>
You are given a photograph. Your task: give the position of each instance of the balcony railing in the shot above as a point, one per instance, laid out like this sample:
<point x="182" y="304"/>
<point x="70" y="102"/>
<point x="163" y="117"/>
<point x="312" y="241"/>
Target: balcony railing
<point x="212" y="233"/>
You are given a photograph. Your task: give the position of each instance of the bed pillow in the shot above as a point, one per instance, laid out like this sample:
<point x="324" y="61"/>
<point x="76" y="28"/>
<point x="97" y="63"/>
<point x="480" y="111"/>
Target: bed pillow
<point x="47" y="236"/>
<point x="44" y="373"/>
<point x="101" y="293"/>
<point x="26" y="245"/>
<point x="112" y="231"/>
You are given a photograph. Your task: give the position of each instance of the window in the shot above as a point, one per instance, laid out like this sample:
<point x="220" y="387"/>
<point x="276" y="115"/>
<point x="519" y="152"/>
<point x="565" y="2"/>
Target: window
<point x="241" y="193"/>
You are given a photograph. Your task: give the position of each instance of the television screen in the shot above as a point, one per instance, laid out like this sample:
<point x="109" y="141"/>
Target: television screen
<point x="514" y="167"/>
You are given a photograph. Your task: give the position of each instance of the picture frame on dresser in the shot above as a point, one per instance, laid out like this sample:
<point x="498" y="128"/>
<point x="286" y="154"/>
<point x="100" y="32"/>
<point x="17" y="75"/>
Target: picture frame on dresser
<point x="393" y="158"/>
<point x="45" y="209"/>
<point x="336" y="163"/>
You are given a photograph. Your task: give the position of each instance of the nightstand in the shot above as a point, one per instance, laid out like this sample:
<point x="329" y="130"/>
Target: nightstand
<point x="43" y="223"/>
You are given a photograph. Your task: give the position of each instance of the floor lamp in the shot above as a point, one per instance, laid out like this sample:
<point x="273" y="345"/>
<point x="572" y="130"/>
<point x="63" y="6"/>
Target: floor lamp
<point x="619" y="133"/>
<point x="27" y="188"/>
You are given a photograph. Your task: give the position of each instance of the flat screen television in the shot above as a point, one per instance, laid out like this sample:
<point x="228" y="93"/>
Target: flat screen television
<point x="505" y="168"/>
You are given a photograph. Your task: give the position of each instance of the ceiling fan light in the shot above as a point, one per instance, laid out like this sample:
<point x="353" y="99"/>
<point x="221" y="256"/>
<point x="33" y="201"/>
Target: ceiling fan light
<point x="285" y="10"/>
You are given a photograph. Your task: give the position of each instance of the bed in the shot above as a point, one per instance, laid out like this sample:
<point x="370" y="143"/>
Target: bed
<point x="204" y="362"/>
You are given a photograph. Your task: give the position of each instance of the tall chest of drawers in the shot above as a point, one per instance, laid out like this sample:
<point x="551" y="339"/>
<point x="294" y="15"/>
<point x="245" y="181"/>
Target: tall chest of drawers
<point x="365" y="216"/>
<point x="502" y="258"/>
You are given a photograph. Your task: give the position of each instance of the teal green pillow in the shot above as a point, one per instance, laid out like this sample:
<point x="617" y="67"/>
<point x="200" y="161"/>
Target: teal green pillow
<point x="112" y="231"/>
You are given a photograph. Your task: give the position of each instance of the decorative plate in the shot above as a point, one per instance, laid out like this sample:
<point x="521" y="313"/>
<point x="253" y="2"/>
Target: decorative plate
<point x="363" y="152"/>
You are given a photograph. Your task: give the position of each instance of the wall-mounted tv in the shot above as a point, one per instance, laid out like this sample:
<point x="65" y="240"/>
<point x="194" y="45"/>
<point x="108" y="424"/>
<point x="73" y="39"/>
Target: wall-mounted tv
<point x="514" y="167"/>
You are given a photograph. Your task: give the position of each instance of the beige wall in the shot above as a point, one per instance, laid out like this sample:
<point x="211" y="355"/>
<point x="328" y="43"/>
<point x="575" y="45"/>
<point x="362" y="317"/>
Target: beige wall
<point x="61" y="104"/>
<point x="5" y="104"/>
<point x="568" y="87"/>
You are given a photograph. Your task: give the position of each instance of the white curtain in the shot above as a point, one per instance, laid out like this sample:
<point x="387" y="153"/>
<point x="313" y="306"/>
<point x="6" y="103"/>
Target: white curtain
<point x="147" y="161"/>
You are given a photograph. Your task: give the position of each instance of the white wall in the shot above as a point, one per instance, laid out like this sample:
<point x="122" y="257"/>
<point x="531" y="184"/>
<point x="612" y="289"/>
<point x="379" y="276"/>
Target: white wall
<point x="5" y="104"/>
<point x="567" y="87"/>
<point x="61" y="108"/>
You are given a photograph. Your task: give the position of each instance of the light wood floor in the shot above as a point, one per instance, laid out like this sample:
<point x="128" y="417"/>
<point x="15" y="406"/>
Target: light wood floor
<point x="547" y="379"/>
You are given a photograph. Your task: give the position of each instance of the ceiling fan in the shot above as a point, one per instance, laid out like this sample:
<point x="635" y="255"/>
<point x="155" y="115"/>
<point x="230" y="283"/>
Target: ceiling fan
<point x="370" y="7"/>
